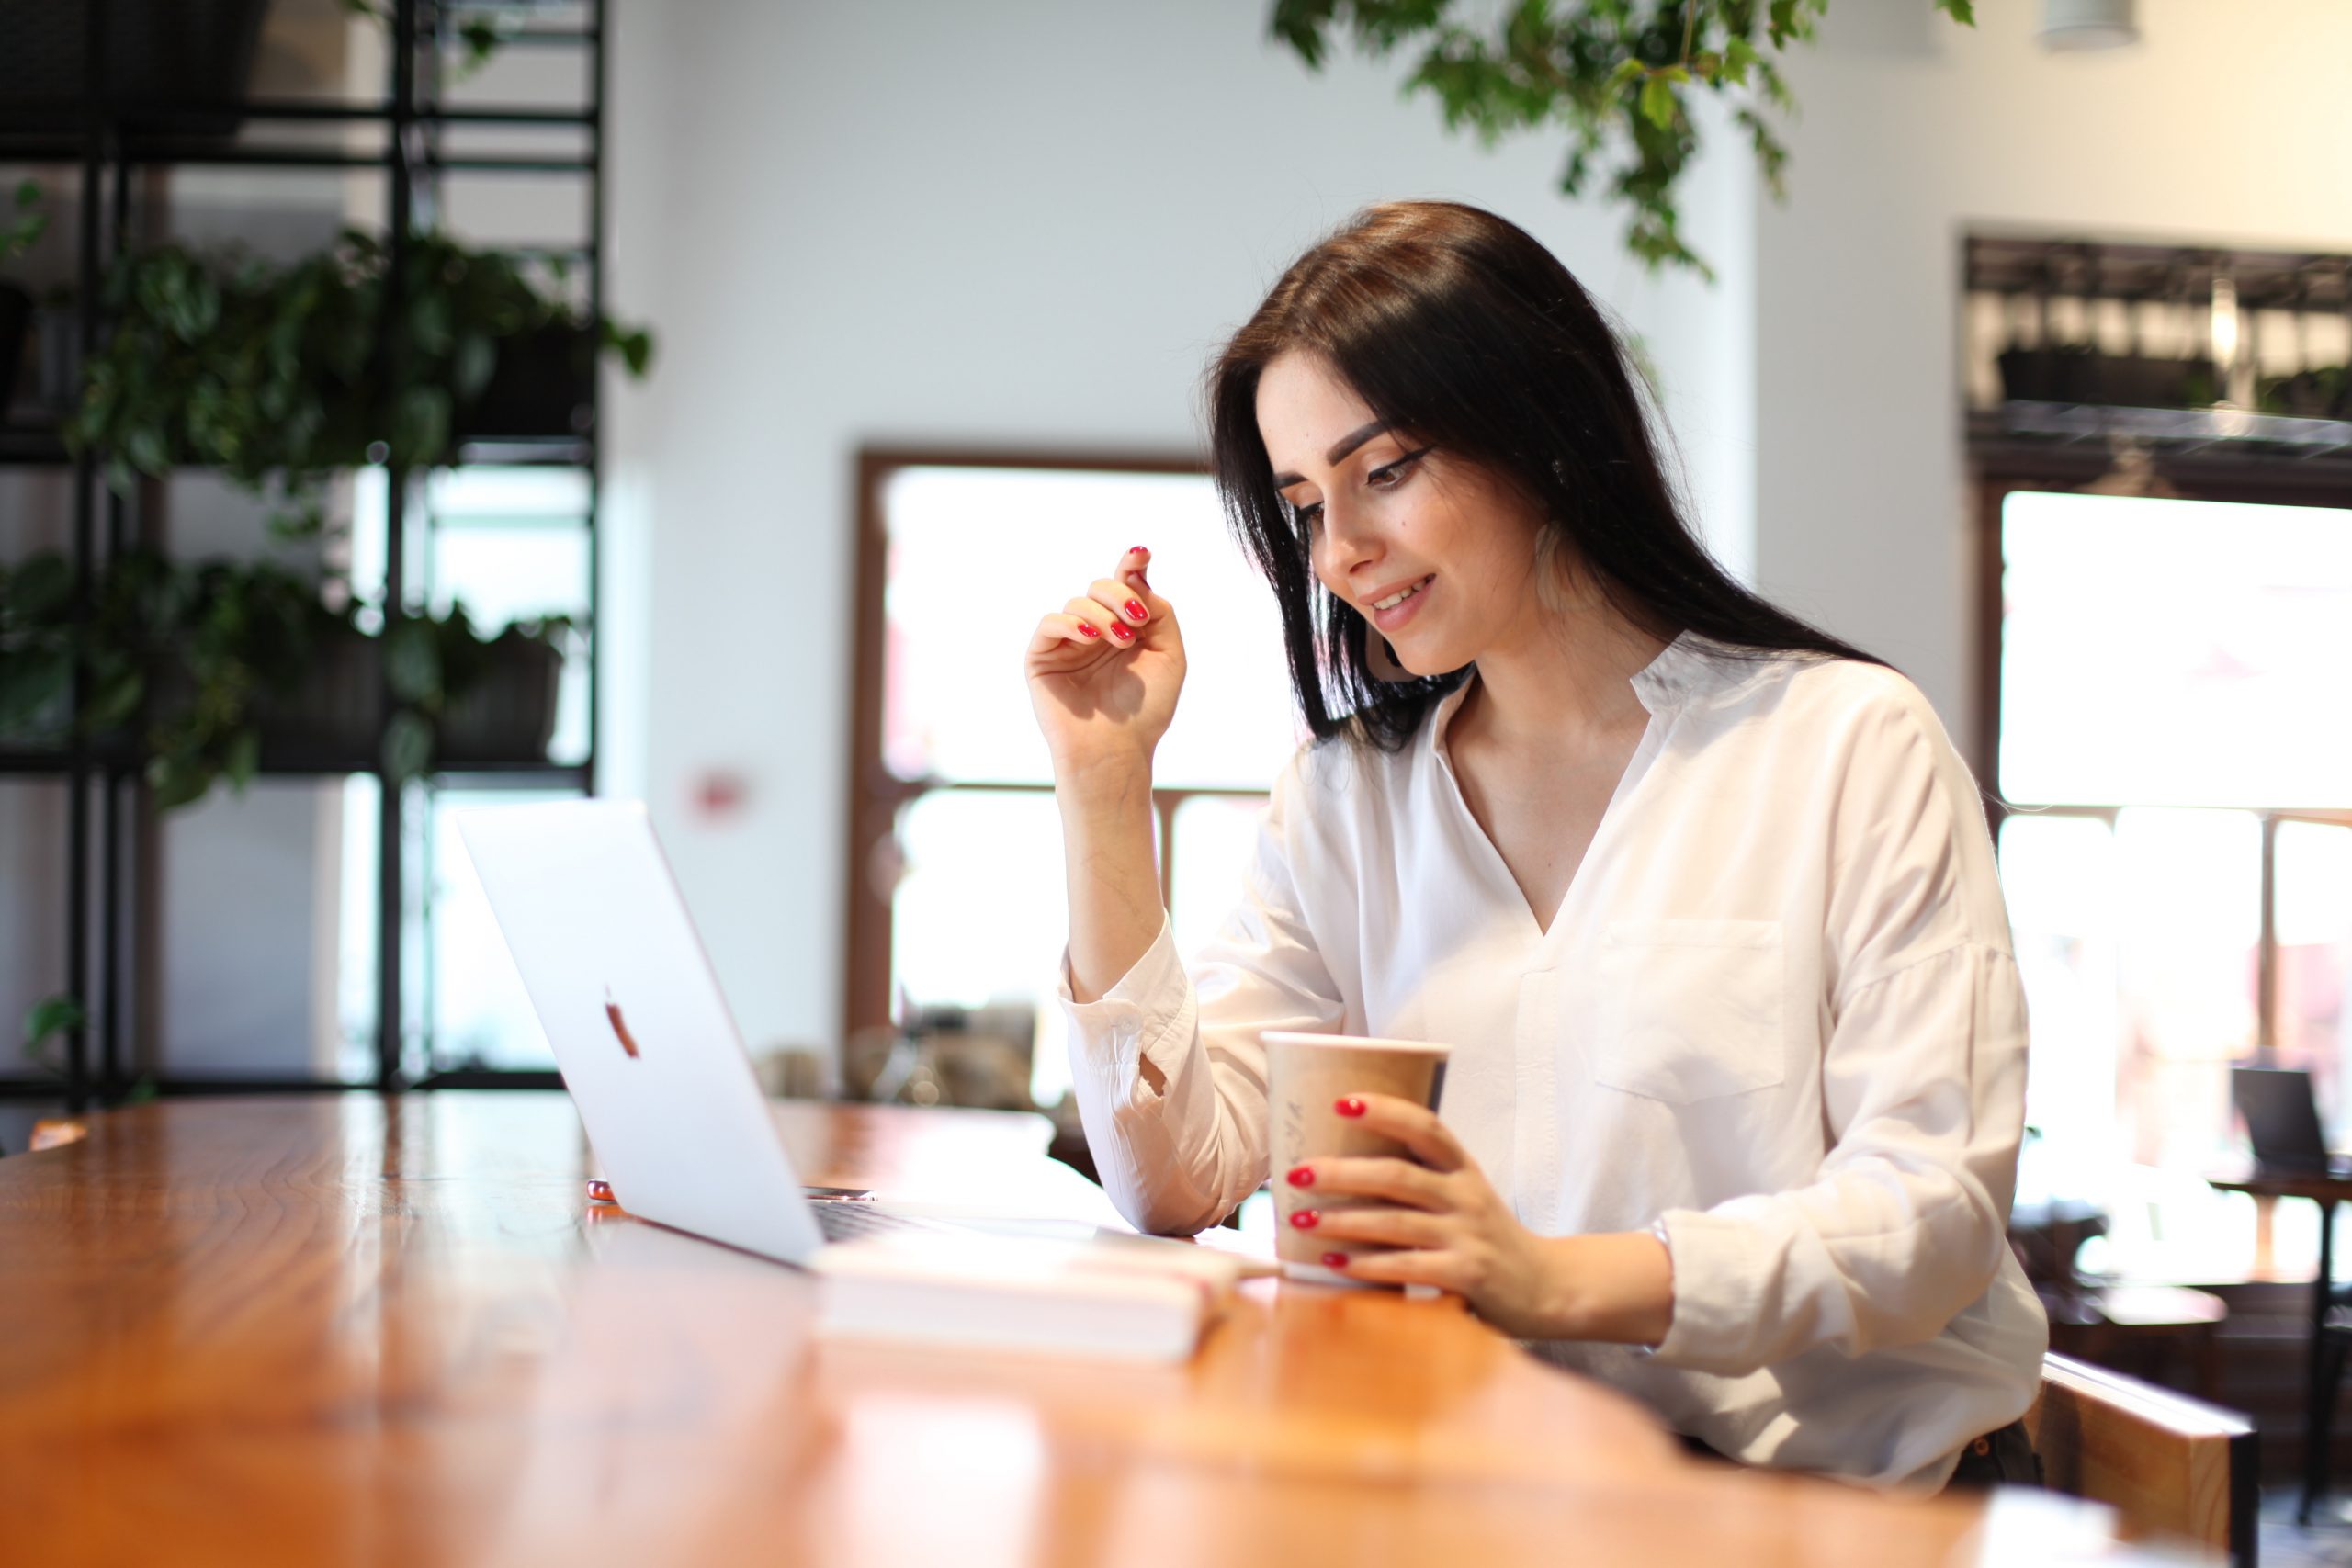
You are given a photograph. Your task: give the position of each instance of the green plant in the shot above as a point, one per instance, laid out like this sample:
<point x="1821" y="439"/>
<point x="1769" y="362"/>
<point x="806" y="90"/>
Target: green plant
<point x="139" y="600"/>
<point x="244" y="632"/>
<point x="482" y="32"/>
<point x="2321" y="392"/>
<point x="22" y="229"/>
<point x="1607" y="70"/>
<point x="431" y="661"/>
<point x="194" y="650"/>
<point x="61" y="1014"/>
<point x="46" y="1019"/>
<point x="201" y="653"/>
<point x="282" y="375"/>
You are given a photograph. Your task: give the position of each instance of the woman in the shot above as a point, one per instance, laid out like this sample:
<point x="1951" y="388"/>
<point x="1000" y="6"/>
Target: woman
<point x="1701" y="897"/>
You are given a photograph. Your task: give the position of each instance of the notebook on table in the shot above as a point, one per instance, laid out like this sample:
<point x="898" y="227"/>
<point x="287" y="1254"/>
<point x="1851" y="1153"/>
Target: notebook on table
<point x="657" y="1069"/>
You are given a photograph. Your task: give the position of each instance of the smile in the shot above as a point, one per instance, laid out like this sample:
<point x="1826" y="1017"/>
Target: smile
<point x="1402" y="595"/>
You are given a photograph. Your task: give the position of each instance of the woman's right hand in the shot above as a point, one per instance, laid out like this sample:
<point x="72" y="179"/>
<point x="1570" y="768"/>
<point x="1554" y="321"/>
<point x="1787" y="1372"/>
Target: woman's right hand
<point x="1104" y="671"/>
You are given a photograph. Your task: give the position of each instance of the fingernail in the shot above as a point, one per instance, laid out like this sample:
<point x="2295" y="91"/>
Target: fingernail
<point x="1122" y="633"/>
<point x="1089" y="628"/>
<point x="1335" y="1260"/>
<point x="1305" y="1220"/>
<point x="1135" y="608"/>
<point x="1351" y="1106"/>
<point x="1302" y="1176"/>
<point x="1137" y="550"/>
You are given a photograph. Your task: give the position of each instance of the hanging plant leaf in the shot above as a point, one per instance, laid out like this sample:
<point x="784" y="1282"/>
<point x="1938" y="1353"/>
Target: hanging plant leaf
<point x="1607" y="70"/>
<point x="413" y="663"/>
<point x="50" y="1017"/>
<point x="32" y="683"/>
<point x="269" y="371"/>
<point x="408" y="747"/>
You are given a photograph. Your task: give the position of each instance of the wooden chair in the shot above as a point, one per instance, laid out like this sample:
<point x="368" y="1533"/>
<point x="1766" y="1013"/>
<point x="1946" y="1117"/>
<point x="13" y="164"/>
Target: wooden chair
<point x="2167" y="1464"/>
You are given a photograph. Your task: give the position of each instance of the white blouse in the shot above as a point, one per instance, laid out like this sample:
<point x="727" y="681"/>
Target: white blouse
<point x="1777" y="1011"/>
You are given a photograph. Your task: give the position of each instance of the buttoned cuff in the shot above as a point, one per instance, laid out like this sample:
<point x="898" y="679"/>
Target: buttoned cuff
<point x="1713" y="1312"/>
<point x="1112" y="1034"/>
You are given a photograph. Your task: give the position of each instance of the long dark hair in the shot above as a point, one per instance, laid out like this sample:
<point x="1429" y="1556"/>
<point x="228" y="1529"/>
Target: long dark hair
<point x="1458" y="327"/>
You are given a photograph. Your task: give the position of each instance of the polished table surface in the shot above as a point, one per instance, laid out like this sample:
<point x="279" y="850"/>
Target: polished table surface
<point x="393" y="1331"/>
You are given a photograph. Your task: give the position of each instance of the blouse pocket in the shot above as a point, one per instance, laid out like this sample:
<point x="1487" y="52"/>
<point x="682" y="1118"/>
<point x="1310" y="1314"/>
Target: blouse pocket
<point x="1689" y="1010"/>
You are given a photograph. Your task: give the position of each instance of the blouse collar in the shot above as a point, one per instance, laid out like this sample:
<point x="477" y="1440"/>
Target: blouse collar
<point x="1685" y="669"/>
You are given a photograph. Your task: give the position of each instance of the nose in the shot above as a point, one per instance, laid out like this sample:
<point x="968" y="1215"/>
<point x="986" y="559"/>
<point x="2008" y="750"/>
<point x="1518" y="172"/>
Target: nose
<point x="1346" y="543"/>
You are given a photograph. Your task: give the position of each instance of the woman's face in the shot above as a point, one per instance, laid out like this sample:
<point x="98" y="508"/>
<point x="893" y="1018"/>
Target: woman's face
<point x="1437" y="554"/>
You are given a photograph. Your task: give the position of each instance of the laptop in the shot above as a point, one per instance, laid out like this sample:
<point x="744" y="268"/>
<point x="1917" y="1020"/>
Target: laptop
<point x="2282" y="1121"/>
<point x="649" y="1050"/>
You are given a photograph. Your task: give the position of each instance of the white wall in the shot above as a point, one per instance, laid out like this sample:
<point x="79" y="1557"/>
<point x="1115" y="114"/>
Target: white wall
<point x="1017" y="225"/>
<point x="1025" y="223"/>
<point x="2226" y="123"/>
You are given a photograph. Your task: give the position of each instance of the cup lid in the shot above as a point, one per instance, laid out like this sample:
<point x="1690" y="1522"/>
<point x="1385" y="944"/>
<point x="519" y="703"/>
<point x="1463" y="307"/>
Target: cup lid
<point x="1292" y="1037"/>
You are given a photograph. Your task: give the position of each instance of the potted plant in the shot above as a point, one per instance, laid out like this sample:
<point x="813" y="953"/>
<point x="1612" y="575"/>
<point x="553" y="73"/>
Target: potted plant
<point x="463" y="697"/>
<point x="215" y="671"/>
<point x="2321" y="393"/>
<point x="281" y="375"/>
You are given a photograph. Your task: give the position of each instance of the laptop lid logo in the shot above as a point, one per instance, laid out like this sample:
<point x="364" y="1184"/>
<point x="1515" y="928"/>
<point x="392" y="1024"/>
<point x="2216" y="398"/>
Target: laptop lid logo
<point x="621" y="1026"/>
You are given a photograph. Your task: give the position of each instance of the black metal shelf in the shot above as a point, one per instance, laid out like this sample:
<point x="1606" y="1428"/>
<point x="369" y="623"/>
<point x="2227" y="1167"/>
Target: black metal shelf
<point x="2152" y="273"/>
<point x="519" y="773"/>
<point x="70" y="116"/>
<point x="24" y="443"/>
<point x="162" y="154"/>
<point x="105" y="143"/>
<point x="40" y="444"/>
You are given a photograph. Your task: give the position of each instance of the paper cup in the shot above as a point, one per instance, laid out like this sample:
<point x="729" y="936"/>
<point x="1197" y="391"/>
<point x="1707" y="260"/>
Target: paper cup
<point x="1306" y="1076"/>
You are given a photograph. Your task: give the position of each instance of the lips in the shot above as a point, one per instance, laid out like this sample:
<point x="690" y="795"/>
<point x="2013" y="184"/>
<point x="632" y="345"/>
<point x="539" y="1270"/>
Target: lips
<point x="1401" y="610"/>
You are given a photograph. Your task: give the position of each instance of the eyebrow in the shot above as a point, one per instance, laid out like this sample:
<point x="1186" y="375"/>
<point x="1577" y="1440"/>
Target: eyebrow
<point x="1339" y="449"/>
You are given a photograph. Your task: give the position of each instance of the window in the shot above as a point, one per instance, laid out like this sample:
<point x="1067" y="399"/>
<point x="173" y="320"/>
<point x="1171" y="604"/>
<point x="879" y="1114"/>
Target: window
<point x="956" y="883"/>
<point x="2174" y="753"/>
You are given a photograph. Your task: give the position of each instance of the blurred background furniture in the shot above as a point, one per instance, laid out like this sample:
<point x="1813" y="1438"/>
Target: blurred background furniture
<point x="2331" y="1318"/>
<point x="2169" y="1466"/>
<point x="2134" y="1327"/>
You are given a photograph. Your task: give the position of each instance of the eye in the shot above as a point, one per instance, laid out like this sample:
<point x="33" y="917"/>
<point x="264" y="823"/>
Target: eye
<point x="1390" y="475"/>
<point x="1306" y="518"/>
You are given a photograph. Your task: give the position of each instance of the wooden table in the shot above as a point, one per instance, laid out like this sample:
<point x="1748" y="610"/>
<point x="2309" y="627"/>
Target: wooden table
<point x="2320" y="1374"/>
<point x="354" y="1330"/>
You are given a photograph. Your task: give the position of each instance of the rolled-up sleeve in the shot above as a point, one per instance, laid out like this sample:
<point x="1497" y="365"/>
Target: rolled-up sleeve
<point x="1922" y="1089"/>
<point x="1167" y="1066"/>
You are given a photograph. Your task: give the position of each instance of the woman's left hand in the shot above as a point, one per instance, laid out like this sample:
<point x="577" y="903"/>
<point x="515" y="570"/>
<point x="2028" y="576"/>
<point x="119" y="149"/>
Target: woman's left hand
<point x="1453" y="1227"/>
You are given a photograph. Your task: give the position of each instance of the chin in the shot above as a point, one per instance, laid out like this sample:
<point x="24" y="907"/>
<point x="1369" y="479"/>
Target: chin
<point x="1424" y="660"/>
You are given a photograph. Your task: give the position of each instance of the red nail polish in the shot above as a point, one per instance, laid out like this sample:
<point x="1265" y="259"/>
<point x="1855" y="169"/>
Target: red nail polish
<point x="1088" y="627"/>
<point x="1302" y="1176"/>
<point x="1335" y="1260"/>
<point x="1305" y="1219"/>
<point x="1137" y="550"/>
<point x="1351" y="1106"/>
<point x="1135" y="608"/>
<point x="1122" y="633"/>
